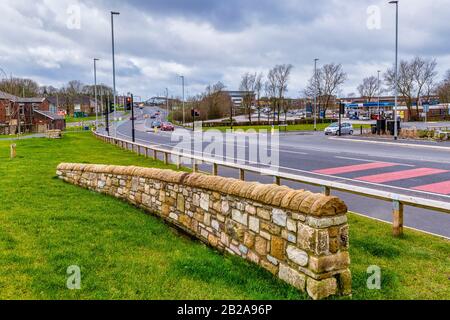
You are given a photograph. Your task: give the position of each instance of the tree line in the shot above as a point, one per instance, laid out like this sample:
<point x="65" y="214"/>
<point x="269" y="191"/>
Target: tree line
<point x="67" y="95"/>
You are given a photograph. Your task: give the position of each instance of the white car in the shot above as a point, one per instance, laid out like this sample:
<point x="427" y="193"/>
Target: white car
<point x="333" y="129"/>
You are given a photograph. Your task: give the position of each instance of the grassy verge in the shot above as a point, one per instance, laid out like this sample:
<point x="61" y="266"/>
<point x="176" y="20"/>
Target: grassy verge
<point x="73" y="120"/>
<point x="297" y="127"/>
<point x="47" y="225"/>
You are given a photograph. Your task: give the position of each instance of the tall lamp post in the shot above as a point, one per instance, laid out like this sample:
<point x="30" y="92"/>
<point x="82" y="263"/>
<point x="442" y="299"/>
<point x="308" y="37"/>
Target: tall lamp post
<point x="167" y="103"/>
<point x="114" y="67"/>
<point x="95" y="92"/>
<point x="182" y="84"/>
<point x="379" y="94"/>
<point x="396" y="69"/>
<point x="315" y="94"/>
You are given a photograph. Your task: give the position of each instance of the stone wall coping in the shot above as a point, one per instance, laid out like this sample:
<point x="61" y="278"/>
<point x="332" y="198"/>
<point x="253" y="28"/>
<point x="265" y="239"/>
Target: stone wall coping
<point x="270" y="194"/>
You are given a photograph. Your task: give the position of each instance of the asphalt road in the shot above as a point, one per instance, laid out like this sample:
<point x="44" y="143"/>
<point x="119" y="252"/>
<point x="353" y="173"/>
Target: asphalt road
<point x="422" y="171"/>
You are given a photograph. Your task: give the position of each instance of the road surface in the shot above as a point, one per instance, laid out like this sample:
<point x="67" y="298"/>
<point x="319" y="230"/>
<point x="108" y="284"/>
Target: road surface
<point x="421" y="171"/>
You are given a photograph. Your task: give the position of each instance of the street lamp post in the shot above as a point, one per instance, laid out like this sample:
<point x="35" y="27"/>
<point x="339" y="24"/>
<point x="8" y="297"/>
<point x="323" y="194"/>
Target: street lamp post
<point x="184" y="116"/>
<point x="167" y="103"/>
<point x="114" y="67"/>
<point x="95" y="92"/>
<point x="315" y="94"/>
<point x="396" y="69"/>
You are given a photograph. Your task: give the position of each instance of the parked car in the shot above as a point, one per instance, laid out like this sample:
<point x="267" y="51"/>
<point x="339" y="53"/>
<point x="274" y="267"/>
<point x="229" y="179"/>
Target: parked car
<point x="167" y="126"/>
<point x="333" y="129"/>
<point x="156" y="124"/>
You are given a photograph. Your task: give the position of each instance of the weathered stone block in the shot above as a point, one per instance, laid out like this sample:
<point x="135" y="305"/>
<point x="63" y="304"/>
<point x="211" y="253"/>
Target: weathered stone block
<point x="297" y="256"/>
<point x="254" y="224"/>
<point x="261" y="246"/>
<point x="239" y="217"/>
<point x="329" y="263"/>
<point x="293" y="277"/>
<point x="279" y="217"/>
<point x="277" y="247"/>
<point x="321" y="289"/>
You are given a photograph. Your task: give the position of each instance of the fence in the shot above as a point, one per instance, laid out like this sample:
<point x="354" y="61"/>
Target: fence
<point x="399" y="201"/>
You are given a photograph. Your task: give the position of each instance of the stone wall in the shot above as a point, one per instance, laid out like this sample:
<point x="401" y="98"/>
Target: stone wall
<point x="298" y="236"/>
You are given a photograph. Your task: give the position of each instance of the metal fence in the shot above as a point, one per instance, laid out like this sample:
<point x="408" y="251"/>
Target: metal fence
<point x="399" y="201"/>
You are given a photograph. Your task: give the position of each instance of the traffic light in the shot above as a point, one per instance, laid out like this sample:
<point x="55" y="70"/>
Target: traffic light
<point x="342" y="108"/>
<point x="129" y="103"/>
<point x="195" y="113"/>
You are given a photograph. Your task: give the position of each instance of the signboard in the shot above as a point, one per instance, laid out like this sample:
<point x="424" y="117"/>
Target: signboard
<point x="426" y="108"/>
<point x="13" y="122"/>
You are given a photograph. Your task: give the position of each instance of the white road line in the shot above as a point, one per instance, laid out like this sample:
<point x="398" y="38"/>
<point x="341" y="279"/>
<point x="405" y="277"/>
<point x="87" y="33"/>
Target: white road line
<point x="408" y="145"/>
<point x="374" y="161"/>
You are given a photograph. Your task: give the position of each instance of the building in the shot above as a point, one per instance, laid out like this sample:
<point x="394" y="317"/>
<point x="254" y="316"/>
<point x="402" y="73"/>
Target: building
<point x="20" y="115"/>
<point x="77" y="106"/>
<point x="237" y="97"/>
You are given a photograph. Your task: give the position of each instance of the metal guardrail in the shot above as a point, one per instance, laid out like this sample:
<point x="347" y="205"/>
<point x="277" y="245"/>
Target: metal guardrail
<point x="399" y="201"/>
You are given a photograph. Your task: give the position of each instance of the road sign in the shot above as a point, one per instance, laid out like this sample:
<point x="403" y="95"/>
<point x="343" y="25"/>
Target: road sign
<point x="426" y="108"/>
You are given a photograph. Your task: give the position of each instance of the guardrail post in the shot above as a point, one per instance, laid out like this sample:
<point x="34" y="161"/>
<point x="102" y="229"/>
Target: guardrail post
<point x="146" y="152"/>
<point x="215" y="169"/>
<point x="155" y="155"/>
<point x="397" y="213"/>
<point x="242" y="174"/>
<point x="277" y="180"/>
<point x="194" y="166"/>
<point x="178" y="162"/>
<point x="166" y="158"/>
<point x="326" y="191"/>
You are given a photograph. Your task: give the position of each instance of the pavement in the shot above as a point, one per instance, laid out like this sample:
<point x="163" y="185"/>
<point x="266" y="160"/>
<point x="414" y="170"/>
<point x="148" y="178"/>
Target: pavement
<point x="415" y="169"/>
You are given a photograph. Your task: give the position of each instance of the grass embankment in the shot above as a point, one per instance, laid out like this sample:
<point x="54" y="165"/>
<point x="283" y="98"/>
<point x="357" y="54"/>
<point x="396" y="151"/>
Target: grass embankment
<point x="296" y="127"/>
<point x="74" y="120"/>
<point x="47" y="225"/>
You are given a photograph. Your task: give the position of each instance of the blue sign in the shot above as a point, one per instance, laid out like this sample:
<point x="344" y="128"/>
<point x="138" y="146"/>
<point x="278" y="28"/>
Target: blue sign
<point x="426" y="108"/>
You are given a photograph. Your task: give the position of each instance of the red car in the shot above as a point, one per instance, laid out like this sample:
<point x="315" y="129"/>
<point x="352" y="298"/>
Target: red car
<point x="167" y="126"/>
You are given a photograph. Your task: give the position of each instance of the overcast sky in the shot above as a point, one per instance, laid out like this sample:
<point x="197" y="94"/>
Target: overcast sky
<point x="213" y="40"/>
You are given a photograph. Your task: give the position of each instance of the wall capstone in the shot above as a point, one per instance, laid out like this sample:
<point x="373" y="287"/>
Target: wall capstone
<point x="300" y="237"/>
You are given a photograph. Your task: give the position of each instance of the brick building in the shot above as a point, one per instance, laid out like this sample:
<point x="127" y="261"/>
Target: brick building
<point x="27" y="115"/>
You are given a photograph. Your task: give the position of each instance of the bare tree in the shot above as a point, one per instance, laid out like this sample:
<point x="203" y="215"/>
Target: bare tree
<point x="443" y="89"/>
<point x="279" y="76"/>
<point x="271" y="91"/>
<point x="247" y="85"/>
<point x="368" y="88"/>
<point x="415" y="77"/>
<point x="258" y="89"/>
<point x="329" y="79"/>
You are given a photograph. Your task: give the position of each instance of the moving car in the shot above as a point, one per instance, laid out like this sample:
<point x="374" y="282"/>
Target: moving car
<point x="156" y="124"/>
<point x="167" y="126"/>
<point x="333" y="129"/>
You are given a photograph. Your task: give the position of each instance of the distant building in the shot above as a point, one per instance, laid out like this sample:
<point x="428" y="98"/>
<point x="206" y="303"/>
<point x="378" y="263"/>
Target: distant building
<point x="27" y="115"/>
<point x="81" y="105"/>
<point x="237" y="97"/>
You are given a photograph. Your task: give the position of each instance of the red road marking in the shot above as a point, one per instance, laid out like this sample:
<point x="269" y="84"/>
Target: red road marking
<point x="440" y="188"/>
<point x="401" y="175"/>
<point x="354" y="168"/>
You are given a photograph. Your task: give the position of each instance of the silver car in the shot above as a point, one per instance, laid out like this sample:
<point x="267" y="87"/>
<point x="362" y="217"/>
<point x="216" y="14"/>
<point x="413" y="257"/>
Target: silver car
<point x="333" y="129"/>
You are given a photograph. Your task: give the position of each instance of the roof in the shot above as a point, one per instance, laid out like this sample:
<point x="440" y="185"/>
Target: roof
<point x="7" y="96"/>
<point x="30" y="100"/>
<point x="50" y="115"/>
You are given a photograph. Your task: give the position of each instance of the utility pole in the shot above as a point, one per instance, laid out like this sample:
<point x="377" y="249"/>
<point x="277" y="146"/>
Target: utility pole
<point x="167" y="103"/>
<point x="184" y="116"/>
<point x="108" y="107"/>
<point x="114" y="66"/>
<point x="95" y="92"/>
<point x="396" y="70"/>
<point x="379" y="94"/>
<point x="315" y="94"/>
<point x="133" y="133"/>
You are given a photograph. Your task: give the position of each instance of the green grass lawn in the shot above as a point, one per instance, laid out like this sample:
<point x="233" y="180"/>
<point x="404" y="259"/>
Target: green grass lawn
<point x="47" y="225"/>
<point x="296" y="127"/>
<point x="73" y="120"/>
